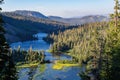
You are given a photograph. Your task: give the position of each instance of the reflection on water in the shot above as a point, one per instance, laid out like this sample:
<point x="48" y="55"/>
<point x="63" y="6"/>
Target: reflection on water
<point x="45" y="71"/>
<point x="39" y="44"/>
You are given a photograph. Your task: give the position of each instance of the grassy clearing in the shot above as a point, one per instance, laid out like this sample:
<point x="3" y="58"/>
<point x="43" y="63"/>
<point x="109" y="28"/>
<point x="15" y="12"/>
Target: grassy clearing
<point x="27" y="65"/>
<point x="58" y="65"/>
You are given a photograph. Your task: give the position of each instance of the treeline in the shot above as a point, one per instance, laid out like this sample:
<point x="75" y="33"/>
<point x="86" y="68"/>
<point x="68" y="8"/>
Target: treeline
<point x="75" y="38"/>
<point x="97" y="45"/>
<point x="29" y="56"/>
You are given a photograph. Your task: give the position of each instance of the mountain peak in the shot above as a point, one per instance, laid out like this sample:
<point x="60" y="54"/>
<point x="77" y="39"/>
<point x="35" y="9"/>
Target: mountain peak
<point x="31" y="13"/>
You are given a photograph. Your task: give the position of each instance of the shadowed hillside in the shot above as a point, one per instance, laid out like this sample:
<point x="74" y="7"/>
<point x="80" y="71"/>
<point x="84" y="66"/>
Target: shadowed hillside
<point x="17" y="25"/>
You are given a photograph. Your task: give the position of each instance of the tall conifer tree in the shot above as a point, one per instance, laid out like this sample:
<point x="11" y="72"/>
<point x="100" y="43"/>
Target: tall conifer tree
<point x="7" y="67"/>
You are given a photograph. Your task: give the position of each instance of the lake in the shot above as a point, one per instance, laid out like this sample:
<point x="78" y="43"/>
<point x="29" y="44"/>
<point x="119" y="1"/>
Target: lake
<point x="45" y="71"/>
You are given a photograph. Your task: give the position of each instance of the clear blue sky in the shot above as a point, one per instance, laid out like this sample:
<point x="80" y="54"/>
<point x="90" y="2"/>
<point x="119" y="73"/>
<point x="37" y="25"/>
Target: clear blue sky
<point x="64" y="8"/>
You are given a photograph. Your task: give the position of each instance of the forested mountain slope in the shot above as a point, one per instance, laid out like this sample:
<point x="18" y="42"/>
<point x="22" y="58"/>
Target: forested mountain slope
<point x="96" y="44"/>
<point x="22" y="28"/>
<point x="27" y="23"/>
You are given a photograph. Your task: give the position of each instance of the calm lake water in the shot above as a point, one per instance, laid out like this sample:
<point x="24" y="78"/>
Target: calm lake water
<point x="45" y="71"/>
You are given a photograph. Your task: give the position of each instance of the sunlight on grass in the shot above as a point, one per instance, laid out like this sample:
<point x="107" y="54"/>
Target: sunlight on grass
<point x="27" y="65"/>
<point x="59" y="66"/>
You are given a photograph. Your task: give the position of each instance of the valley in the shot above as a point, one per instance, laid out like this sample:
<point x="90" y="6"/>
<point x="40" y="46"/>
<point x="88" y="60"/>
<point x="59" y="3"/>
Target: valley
<point x="46" y="71"/>
<point x="60" y="40"/>
<point x="17" y="24"/>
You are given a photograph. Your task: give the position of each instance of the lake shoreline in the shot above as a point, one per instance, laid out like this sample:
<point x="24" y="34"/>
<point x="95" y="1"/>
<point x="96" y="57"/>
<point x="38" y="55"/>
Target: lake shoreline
<point x="40" y="44"/>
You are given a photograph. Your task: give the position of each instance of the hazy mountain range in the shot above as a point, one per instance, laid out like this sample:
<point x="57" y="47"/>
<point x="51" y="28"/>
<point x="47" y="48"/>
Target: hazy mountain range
<point x="82" y="20"/>
<point x="72" y="21"/>
<point x="20" y="25"/>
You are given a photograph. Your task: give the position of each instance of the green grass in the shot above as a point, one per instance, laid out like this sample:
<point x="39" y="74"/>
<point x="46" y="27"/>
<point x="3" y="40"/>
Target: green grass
<point x="58" y="65"/>
<point x="27" y="65"/>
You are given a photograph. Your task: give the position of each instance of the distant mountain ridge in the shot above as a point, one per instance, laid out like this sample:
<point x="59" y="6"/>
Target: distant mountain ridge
<point x="82" y="20"/>
<point x="21" y="25"/>
<point x="72" y="21"/>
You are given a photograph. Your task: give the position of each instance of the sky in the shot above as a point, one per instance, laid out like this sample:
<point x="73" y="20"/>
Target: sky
<point x="63" y="8"/>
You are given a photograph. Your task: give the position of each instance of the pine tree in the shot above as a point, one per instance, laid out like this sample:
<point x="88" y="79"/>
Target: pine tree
<point x="116" y="14"/>
<point x="7" y="67"/>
